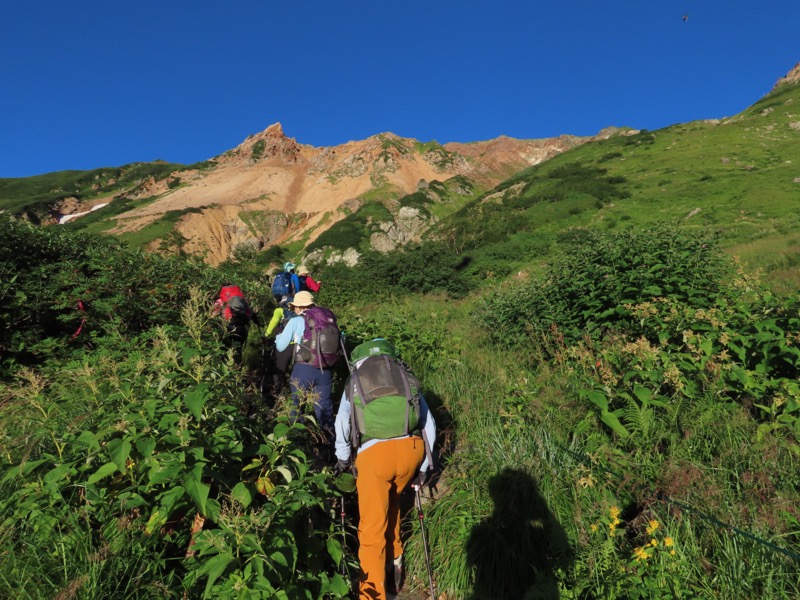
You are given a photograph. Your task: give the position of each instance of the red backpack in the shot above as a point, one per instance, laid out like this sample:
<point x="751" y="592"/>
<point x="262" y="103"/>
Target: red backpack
<point x="234" y="302"/>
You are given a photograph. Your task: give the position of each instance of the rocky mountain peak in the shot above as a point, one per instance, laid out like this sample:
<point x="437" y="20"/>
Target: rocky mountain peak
<point x="274" y="131"/>
<point x="270" y="144"/>
<point x="793" y="76"/>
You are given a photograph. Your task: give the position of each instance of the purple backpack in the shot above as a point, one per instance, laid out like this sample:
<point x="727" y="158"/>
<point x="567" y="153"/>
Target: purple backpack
<point x="320" y="345"/>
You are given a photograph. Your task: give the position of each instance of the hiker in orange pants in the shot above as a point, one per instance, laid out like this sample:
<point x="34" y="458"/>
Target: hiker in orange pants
<point x="386" y="427"/>
<point x="384" y="471"/>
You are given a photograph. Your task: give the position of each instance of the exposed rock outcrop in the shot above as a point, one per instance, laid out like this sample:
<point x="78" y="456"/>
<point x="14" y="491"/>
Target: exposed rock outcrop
<point x="793" y="76"/>
<point x="407" y="227"/>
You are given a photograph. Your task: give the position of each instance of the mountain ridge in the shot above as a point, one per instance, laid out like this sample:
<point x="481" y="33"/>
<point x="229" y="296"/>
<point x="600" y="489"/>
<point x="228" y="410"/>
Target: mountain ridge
<point x="300" y="189"/>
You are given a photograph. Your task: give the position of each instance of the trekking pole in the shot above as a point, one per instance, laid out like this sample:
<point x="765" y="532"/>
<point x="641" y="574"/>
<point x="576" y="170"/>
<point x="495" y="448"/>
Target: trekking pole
<point x="421" y="516"/>
<point x="344" y="538"/>
<point x="263" y="358"/>
<point x="344" y="351"/>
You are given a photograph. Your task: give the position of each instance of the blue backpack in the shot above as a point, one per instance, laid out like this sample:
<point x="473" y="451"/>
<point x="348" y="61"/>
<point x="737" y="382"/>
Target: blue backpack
<point x="281" y="284"/>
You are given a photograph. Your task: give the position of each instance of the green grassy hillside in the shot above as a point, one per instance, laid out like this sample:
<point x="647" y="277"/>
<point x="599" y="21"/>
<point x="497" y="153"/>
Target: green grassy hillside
<point x="36" y="195"/>
<point x="736" y="176"/>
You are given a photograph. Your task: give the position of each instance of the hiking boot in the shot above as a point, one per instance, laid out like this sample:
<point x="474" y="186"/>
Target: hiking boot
<point x="395" y="576"/>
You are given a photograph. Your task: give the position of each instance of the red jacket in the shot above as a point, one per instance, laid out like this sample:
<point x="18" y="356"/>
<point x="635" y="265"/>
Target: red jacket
<point x="308" y="283"/>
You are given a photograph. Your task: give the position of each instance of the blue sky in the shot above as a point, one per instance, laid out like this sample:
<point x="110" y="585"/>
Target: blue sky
<point x="105" y="83"/>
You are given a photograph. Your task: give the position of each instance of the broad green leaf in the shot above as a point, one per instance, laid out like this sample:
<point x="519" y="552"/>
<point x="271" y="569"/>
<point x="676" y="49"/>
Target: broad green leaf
<point x="337" y="585"/>
<point x="132" y="500"/>
<point x="104" y="471"/>
<point x="612" y="421"/>
<point x="168" y="499"/>
<point x="145" y="446"/>
<point x="213" y="508"/>
<point x="334" y="550"/>
<point x="214" y="567"/>
<point x="242" y="494"/>
<point x="254" y="464"/>
<point x="198" y="491"/>
<point x="763" y="430"/>
<point x="23" y="468"/>
<point x="156" y="520"/>
<point x="196" y="399"/>
<point x="279" y="557"/>
<point x="738" y="351"/>
<point x="160" y="472"/>
<point x="287" y="474"/>
<point x="644" y="395"/>
<point x="58" y="473"/>
<point x="597" y="398"/>
<point x="88" y="439"/>
<point x="119" y="450"/>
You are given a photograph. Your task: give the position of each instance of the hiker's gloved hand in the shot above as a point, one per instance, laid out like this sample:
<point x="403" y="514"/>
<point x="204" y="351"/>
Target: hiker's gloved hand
<point x="342" y="466"/>
<point x="421" y="479"/>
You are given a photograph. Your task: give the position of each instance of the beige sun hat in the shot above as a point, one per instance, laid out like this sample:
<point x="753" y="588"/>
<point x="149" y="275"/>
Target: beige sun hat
<point x="302" y="270"/>
<point x="302" y="299"/>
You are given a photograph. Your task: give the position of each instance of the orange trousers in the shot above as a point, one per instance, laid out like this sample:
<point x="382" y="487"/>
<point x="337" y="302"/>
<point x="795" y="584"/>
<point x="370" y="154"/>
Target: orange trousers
<point x="384" y="471"/>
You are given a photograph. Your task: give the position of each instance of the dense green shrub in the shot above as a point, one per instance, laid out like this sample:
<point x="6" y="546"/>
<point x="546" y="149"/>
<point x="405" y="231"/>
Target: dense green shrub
<point x="587" y="287"/>
<point x="673" y="319"/>
<point x="354" y="230"/>
<point x="424" y="268"/>
<point x="124" y="293"/>
<point x="418" y="200"/>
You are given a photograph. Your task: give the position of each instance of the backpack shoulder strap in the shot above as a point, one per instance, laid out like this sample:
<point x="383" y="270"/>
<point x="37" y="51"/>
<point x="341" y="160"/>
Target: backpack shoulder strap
<point x="355" y="434"/>
<point x="407" y="385"/>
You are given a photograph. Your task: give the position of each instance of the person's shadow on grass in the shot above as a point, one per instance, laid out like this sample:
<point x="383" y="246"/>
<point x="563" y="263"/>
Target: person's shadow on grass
<point x="514" y="553"/>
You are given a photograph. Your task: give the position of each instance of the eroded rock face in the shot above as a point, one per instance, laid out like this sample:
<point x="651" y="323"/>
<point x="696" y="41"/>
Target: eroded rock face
<point x="349" y="257"/>
<point x="407" y="227"/>
<point x="214" y="233"/>
<point x="68" y="206"/>
<point x="793" y="76"/>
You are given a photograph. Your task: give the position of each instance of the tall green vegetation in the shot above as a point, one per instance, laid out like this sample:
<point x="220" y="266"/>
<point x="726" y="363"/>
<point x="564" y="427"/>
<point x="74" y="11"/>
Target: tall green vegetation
<point x="136" y="462"/>
<point x="597" y="424"/>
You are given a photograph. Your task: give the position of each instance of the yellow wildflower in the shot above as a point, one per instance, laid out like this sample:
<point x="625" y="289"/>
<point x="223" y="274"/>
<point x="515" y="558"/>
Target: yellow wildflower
<point x="654" y="542"/>
<point x="640" y="554"/>
<point x="651" y="527"/>
<point x="668" y="542"/>
<point x="672" y="552"/>
<point x="593" y="527"/>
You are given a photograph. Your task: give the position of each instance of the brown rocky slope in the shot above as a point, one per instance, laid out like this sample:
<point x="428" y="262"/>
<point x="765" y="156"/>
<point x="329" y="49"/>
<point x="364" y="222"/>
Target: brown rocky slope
<point x="273" y="190"/>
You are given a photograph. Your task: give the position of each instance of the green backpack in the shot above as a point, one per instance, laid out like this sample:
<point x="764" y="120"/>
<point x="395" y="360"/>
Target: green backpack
<point x="384" y="400"/>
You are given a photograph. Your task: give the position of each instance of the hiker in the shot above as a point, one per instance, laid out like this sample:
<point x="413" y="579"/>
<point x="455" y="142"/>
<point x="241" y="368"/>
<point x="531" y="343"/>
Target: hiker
<point x="306" y="282"/>
<point x="233" y="307"/>
<point x="286" y="283"/>
<point x="385" y="419"/>
<point x="280" y="360"/>
<point x="316" y="350"/>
